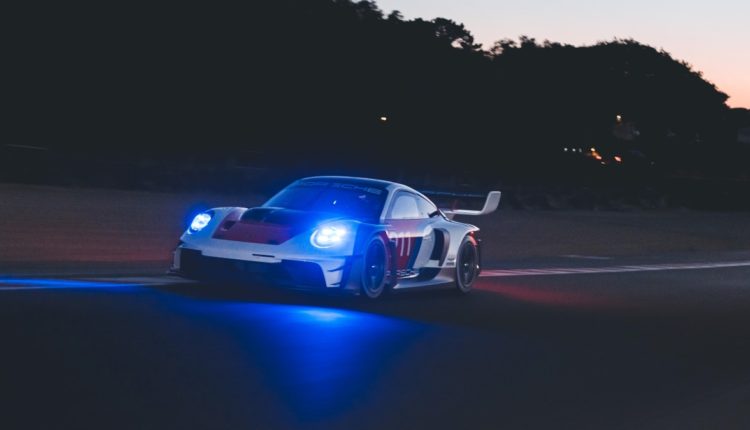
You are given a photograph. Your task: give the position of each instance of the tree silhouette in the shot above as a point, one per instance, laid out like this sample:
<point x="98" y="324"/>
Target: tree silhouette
<point x="309" y="80"/>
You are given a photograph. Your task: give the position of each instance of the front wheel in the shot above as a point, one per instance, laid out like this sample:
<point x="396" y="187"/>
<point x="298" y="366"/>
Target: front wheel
<point x="375" y="268"/>
<point x="467" y="264"/>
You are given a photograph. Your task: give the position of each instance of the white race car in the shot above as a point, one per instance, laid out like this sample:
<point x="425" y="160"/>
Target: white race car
<point x="337" y="233"/>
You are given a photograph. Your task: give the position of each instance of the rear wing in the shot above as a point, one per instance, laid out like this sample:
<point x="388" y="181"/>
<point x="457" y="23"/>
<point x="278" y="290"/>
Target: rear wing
<point x="490" y="204"/>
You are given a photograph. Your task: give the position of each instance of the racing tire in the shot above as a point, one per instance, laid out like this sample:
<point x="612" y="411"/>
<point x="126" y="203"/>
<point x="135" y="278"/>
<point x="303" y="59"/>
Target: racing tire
<point x="467" y="264"/>
<point x="375" y="268"/>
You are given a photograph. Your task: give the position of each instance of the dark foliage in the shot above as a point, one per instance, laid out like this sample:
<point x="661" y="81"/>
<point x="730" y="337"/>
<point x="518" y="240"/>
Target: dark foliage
<point x="302" y="80"/>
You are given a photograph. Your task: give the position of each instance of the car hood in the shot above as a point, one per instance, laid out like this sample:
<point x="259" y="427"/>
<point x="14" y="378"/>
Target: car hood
<point x="272" y="226"/>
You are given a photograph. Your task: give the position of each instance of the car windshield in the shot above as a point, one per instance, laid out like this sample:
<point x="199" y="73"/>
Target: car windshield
<point x="341" y="198"/>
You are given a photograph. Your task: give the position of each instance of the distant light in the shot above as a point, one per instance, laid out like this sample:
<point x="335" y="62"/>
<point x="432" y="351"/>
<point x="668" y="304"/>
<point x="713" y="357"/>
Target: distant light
<point x="597" y="156"/>
<point x="593" y="149"/>
<point x="200" y="222"/>
<point x="619" y="118"/>
<point x="383" y="119"/>
<point x="565" y="149"/>
<point x="618" y="158"/>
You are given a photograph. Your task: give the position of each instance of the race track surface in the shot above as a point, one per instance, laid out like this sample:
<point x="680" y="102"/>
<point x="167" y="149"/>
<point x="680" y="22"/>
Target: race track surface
<point x="666" y="348"/>
<point x="580" y="321"/>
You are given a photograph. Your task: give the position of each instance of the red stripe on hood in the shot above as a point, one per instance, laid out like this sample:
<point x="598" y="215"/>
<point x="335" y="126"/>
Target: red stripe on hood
<point x="254" y="232"/>
<point x="251" y="231"/>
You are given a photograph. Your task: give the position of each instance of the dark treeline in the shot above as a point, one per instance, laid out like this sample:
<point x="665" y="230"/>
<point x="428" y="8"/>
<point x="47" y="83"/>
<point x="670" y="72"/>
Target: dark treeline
<point x="333" y="80"/>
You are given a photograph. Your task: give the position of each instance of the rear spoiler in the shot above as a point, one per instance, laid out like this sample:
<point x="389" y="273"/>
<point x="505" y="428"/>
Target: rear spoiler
<point x="490" y="204"/>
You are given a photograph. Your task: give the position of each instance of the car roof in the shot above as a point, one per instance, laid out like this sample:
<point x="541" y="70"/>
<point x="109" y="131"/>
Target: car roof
<point x="367" y="182"/>
<point x="389" y="186"/>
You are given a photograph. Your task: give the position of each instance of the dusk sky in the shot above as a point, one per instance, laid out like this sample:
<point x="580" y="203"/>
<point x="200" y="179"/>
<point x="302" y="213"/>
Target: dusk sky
<point x="713" y="36"/>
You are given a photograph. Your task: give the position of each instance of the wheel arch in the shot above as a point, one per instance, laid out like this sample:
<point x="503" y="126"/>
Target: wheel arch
<point x="364" y="233"/>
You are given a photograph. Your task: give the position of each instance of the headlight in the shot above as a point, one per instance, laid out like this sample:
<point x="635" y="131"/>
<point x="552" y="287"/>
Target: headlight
<point x="199" y="222"/>
<point x="328" y="236"/>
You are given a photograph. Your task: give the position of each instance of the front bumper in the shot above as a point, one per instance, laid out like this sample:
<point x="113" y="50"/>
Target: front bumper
<point x="321" y="275"/>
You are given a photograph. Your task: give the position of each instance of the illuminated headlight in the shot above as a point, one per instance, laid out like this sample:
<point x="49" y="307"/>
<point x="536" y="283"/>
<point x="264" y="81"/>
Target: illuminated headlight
<point x="328" y="236"/>
<point x="199" y="222"/>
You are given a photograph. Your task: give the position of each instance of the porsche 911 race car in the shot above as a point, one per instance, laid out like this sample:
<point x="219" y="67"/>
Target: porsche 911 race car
<point x="337" y="233"/>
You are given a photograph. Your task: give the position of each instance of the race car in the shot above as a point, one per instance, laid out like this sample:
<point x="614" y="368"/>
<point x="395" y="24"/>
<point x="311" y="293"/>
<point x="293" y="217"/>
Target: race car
<point x="334" y="233"/>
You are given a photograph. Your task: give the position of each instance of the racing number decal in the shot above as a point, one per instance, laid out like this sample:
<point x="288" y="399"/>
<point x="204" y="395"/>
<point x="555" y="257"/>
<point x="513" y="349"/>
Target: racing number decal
<point x="403" y="244"/>
<point x="406" y="246"/>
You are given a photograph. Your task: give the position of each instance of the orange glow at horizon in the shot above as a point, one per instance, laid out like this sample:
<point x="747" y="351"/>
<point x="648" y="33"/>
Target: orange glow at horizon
<point x="711" y="36"/>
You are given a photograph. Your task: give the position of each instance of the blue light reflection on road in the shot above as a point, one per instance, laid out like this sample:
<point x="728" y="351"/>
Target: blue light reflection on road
<point x="7" y="283"/>
<point x="322" y="361"/>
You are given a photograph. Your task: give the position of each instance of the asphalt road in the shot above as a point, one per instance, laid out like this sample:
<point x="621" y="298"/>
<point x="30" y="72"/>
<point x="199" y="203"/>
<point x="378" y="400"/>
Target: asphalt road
<point x="583" y="320"/>
<point x="576" y="342"/>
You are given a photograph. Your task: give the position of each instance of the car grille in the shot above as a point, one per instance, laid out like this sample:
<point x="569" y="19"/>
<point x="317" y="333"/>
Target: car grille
<point x="194" y="264"/>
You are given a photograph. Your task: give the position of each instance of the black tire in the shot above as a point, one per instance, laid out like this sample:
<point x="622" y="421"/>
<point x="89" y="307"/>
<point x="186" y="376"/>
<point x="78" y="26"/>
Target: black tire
<point x="375" y="267"/>
<point x="467" y="264"/>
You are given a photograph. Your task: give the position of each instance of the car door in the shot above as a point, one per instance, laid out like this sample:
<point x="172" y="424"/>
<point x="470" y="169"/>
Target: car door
<point x="410" y="229"/>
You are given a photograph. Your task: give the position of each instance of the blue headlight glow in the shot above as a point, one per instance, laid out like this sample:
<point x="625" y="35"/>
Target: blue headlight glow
<point x="44" y="283"/>
<point x="323" y="315"/>
<point x="199" y="222"/>
<point x="328" y="236"/>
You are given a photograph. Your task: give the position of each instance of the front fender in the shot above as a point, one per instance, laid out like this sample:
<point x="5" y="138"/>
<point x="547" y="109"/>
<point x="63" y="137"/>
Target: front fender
<point x="218" y="215"/>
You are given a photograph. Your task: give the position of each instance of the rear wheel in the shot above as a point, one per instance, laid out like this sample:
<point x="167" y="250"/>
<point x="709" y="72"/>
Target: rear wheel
<point x="375" y="268"/>
<point x="467" y="264"/>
